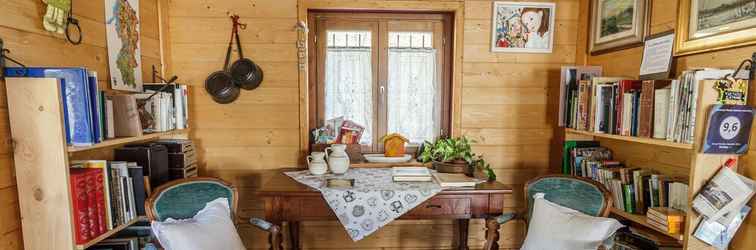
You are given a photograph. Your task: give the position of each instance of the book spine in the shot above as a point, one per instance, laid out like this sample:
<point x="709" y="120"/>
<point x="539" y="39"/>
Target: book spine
<point x="80" y="203"/>
<point x="646" y="109"/>
<point x="92" y="214"/>
<point x="100" y="196"/>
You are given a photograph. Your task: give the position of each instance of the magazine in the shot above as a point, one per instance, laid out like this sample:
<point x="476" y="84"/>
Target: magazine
<point x="719" y="233"/>
<point x="726" y="192"/>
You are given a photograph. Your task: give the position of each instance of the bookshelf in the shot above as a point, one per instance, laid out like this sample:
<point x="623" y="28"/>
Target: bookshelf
<point x="660" y="154"/>
<point x="641" y="220"/>
<point x="110" y="233"/>
<point x="634" y="139"/>
<point x="41" y="159"/>
<point x="127" y="140"/>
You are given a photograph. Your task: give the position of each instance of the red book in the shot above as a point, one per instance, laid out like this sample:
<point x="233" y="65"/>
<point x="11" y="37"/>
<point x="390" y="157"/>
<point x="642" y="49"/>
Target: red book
<point x="94" y="229"/>
<point x="79" y="198"/>
<point x="99" y="191"/>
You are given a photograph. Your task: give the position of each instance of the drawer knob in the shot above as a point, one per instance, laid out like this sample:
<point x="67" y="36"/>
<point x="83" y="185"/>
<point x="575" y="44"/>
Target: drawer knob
<point x="432" y="206"/>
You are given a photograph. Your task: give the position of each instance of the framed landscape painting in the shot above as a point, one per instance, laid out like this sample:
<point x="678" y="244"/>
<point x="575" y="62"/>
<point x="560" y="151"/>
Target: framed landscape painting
<point x="705" y="25"/>
<point x="522" y="27"/>
<point x="617" y="24"/>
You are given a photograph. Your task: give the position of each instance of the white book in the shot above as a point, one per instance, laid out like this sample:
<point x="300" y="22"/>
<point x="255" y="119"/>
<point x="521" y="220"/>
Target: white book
<point x="179" y="107"/>
<point x="627" y="113"/>
<point x="410" y="171"/>
<point x="672" y="109"/>
<point x="661" y="107"/>
<point x="454" y="180"/>
<point x="185" y="102"/>
<point x="109" y="120"/>
<point x="598" y="103"/>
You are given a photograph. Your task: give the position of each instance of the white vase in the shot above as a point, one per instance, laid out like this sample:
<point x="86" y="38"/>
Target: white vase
<point x="338" y="160"/>
<point x="316" y="163"/>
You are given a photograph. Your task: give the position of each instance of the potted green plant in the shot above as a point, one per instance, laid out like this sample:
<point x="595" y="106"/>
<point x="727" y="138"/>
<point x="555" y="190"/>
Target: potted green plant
<point x="454" y="155"/>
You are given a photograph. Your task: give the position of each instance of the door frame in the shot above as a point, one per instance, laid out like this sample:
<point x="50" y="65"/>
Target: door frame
<point x="455" y="9"/>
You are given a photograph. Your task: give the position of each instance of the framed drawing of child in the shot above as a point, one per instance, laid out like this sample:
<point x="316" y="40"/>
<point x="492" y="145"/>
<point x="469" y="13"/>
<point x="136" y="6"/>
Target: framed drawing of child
<point x="522" y="27"/>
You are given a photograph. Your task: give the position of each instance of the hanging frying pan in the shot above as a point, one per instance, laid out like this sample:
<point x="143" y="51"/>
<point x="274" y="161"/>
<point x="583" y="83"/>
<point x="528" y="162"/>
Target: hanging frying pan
<point x="246" y="73"/>
<point x="220" y="84"/>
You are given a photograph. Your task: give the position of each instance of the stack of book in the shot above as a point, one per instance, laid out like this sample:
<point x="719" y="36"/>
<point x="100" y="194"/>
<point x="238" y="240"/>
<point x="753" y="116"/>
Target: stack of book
<point x="666" y="219"/>
<point x="634" y="189"/>
<point x="401" y="174"/>
<point x="167" y="107"/>
<point x="182" y="160"/>
<point x="104" y="196"/>
<point x="661" y="109"/>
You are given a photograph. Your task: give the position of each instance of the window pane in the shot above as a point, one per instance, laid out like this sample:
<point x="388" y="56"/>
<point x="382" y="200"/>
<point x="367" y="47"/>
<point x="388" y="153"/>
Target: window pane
<point x="349" y="79"/>
<point x="413" y="91"/>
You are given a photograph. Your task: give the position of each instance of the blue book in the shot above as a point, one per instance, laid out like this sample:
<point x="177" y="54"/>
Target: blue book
<point x="94" y="105"/>
<point x="77" y="113"/>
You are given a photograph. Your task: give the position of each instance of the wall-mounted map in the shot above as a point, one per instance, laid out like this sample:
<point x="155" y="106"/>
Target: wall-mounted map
<point x="124" y="56"/>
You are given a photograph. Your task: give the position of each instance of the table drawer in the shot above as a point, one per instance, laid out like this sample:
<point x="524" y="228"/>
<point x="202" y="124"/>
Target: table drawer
<point x="443" y="207"/>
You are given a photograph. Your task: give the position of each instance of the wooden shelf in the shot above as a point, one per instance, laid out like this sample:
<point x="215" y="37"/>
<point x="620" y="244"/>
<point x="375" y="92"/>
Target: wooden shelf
<point x="641" y="219"/>
<point x="126" y="140"/>
<point x="110" y="233"/>
<point x="650" y="141"/>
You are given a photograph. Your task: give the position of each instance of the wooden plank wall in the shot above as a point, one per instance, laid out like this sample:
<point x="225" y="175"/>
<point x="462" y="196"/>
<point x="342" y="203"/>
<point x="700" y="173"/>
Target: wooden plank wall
<point x="507" y="105"/>
<point x="627" y="63"/>
<point x="21" y="29"/>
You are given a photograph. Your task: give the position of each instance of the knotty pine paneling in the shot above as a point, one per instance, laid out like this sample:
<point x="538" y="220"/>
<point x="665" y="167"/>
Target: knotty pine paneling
<point x="21" y="30"/>
<point x="627" y="63"/>
<point x="507" y="106"/>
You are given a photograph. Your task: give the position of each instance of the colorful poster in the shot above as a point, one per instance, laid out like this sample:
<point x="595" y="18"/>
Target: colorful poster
<point x="729" y="129"/>
<point x="522" y="27"/>
<point x="124" y="55"/>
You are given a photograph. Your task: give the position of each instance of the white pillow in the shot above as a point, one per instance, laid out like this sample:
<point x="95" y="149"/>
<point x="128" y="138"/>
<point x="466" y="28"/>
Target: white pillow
<point x="211" y="228"/>
<point x="554" y="227"/>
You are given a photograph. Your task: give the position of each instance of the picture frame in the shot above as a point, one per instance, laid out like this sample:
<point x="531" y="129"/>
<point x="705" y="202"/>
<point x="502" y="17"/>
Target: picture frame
<point x="610" y="30"/>
<point x="656" y="60"/>
<point x="522" y="27"/>
<point x="702" y="27"/>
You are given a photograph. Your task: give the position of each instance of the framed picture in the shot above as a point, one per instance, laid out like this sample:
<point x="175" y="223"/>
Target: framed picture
<point x="522" y="27"/>
<point x="712" y="25"/>
<point x="617" y="24"/>
<point x="123" y="39"/>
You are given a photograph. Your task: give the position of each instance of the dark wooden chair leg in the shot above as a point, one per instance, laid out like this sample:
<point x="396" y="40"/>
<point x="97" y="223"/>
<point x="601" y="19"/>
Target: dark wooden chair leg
<point x="274" y="239"/>
<point x="294" y="235"/>
<point x="462" y="233"/>
<point x="492" y="235"/>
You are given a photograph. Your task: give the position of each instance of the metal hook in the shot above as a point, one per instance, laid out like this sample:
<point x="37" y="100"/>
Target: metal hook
<point x="4" y="55"/>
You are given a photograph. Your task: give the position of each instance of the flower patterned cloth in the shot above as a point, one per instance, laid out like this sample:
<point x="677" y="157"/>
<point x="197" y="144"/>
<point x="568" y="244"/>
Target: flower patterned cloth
<point x="374" y="201"/>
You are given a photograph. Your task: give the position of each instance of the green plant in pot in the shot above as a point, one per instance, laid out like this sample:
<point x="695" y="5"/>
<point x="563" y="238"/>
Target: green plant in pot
<point x="454" y="155"/>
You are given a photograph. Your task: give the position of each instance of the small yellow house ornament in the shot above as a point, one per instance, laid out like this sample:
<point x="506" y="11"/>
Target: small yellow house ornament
<point x="393" y="145"/>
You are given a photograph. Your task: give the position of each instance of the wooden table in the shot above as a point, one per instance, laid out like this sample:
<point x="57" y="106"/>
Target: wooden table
<point x="287" y="200"/>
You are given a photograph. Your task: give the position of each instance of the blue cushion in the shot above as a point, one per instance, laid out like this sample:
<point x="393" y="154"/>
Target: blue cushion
<point x="569" y="192"/>
<point x="184" y="200"/>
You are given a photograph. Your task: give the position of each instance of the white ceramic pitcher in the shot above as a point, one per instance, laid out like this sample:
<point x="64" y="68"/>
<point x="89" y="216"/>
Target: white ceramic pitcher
<point x="338" y="160"/>
<point x="316" y="163"/>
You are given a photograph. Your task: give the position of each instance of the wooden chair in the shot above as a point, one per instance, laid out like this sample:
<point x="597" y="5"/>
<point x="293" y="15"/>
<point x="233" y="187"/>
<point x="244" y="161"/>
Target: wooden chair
<point x="582" y="194"/>
<point x="183" y="198"/>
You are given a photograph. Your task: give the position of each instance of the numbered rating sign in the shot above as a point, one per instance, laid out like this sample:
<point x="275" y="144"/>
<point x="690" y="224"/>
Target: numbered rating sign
<point x="729" y="129"/>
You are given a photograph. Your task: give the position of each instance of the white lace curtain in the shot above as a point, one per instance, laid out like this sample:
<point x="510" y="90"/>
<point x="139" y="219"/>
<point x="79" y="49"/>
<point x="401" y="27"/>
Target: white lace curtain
<point x="348" y="87"/>
<point x="414" y="96"/>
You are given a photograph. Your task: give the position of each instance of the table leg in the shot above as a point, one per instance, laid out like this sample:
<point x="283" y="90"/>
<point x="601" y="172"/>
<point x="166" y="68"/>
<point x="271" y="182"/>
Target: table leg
<point x="492" y="234"/>
<point x="294" y="234"/>
<point x="462" y="233"/>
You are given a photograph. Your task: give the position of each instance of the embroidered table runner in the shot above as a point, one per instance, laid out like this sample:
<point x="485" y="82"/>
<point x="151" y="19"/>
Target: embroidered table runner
<point x="373" y="201"/>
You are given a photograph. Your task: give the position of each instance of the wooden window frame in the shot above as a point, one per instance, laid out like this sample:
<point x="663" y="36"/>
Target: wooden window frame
<point x="316" y="79"/>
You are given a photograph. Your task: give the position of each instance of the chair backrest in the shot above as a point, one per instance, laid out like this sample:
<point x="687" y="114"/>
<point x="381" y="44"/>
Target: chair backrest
<point x="183" y="198"/>
<point x="582" y="194"/>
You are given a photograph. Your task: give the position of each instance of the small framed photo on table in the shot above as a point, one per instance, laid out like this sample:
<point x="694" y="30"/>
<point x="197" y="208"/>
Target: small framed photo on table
<point x="522" y="27"/>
